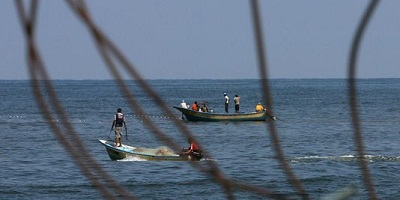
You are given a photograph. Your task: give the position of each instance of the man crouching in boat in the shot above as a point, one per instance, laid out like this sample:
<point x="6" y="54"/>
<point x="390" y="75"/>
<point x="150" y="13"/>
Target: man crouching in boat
<point x="260" y="108"/>
<point x="193" y="151"/>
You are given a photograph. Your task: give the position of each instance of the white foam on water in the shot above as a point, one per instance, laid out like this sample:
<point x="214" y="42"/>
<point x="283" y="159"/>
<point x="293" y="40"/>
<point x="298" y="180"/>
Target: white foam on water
<point x="159" y="151"/>
<point x="131" y="159"/>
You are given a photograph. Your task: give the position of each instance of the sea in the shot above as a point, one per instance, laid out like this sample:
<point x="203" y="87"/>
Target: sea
<point x="314" y="128"/>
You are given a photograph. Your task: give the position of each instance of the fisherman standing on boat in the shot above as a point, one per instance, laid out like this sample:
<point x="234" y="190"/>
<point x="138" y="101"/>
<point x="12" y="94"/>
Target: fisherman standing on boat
<point x="226" y="102"/>
<point x="236" y="100"/>
<point x="118" y="123"/>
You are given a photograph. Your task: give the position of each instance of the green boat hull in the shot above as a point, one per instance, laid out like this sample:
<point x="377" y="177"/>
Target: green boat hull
<point x="192" y="115"/>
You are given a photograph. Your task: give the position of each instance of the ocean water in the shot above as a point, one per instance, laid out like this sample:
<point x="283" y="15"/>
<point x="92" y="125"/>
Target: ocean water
<point x="314" y="129"/>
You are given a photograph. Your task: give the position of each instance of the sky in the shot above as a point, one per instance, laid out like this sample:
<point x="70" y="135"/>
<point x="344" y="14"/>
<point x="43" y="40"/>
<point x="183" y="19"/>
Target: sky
<point x="208" y="39"/>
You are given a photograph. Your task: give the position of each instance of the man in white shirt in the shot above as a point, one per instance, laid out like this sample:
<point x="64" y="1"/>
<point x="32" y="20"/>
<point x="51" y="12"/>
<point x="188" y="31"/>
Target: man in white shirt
<point x="226" y="102"/>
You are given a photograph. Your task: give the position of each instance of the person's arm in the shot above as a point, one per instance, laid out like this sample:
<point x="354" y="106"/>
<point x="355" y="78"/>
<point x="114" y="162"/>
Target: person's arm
<point x="190" y="149"/>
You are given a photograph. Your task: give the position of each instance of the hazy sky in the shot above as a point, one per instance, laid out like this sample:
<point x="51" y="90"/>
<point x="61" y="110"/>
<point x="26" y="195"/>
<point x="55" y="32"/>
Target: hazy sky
<point x="185" y="39"/>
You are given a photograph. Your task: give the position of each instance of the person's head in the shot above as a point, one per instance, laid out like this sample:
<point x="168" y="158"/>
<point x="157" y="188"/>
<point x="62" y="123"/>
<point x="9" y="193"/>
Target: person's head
<point x="119" y="110"/>
<point x="190" y="140"/>
<point x="224" y="94"/>
<point x="195" y="102"/>
<point x="236" y="95"/>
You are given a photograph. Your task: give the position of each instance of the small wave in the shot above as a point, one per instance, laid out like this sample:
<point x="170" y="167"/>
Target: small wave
<point x="346" y="158"/>
<point x="343" y="193"/>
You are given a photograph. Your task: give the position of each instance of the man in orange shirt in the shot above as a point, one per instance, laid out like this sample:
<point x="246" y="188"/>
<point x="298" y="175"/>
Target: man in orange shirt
<point x="195" y="106"/>
<point x="193" y="151"/>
